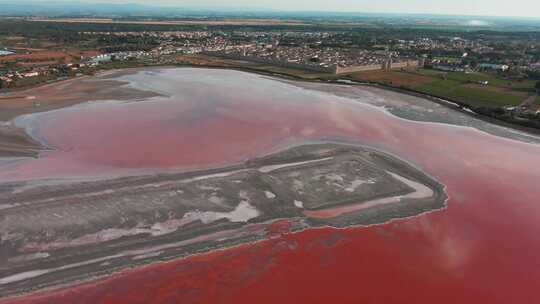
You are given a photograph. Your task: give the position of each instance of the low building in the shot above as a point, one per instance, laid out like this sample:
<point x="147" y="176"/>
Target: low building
<point x="496" y="67"/>
<point x="30" y="74"/>
<point x="101" y="58"/>
<point x="449" y="68"/>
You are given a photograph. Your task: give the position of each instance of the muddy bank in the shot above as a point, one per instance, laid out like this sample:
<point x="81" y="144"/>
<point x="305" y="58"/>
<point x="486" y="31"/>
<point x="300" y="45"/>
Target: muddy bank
<point x="225" y="117"/>
<point x="80" y="230"/>
<point x="14" y="142"/>
<point x="108" y="86"/>
<point x="206" y="118"/>
<point x="53" y="96"/>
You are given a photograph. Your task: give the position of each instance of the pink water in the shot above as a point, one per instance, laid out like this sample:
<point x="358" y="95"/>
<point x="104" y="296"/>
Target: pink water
<point x="483" y="249"/>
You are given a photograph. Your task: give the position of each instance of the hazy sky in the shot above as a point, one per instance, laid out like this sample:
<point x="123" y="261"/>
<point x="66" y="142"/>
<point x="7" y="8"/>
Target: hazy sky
<point x="529" y="8"/>
<point x="525" y="8"/>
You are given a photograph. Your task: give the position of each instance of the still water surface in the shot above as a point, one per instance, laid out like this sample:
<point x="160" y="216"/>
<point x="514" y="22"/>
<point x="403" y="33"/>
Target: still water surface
<point x="483" y="248"/>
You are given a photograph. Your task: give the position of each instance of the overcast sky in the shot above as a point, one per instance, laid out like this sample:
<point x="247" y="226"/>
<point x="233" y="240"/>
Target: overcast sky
<point x="530" y="8"/>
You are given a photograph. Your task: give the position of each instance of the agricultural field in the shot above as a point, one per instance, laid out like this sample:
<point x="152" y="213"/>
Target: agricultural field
<point x="473" y="95"/>
<point x="461" y="87"/>
<point x="33" y="56"/>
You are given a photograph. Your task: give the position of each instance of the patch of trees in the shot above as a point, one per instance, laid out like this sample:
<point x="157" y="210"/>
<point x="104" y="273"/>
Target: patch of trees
<point x="529" y="120"/>
<point x="534" y="75"/>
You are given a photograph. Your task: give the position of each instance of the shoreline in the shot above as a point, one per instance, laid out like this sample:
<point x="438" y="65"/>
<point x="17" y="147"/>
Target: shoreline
<point x="15" y="142"/>
<point x="127" y="247"/>
<point x="433" y="141"/>
<point x="451" y="104"/>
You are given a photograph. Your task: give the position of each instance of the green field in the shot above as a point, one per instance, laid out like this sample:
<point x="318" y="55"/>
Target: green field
<point x="455" y="86"/>
<point x="463" y="87"/>
<point x="493" y="80"/>
<point x="455" y="90"/>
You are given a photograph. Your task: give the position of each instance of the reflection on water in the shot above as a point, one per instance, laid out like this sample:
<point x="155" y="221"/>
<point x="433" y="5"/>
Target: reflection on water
<point x="484" y="247"/>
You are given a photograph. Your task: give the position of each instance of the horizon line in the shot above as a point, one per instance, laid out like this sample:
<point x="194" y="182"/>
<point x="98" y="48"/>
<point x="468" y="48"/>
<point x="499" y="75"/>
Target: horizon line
<point x="255" y="9"/>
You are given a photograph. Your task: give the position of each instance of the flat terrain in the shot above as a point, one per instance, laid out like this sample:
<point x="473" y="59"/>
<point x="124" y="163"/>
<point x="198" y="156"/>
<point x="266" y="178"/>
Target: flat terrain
<point x="461" y="87"/>
<point x="62" y="94"/>
<point x="210" y="61"/>
<point x="62" y="223"/>
<point x="28" y="56"/>
<point x="14" y="142"/>
<point x="392" y="78"/>
<point x="456" y="86"/>
<point x="57" y="234"/>
<point x="177" y="22"/>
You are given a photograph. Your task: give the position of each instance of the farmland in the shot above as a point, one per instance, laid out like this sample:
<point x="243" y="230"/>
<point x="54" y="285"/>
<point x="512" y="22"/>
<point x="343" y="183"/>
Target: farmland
<point x="473" y="89"/>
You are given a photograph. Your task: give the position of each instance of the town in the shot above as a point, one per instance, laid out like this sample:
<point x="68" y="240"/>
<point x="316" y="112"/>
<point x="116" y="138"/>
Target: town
<point x="271" y="151"/>
<point x="501" y="74"/>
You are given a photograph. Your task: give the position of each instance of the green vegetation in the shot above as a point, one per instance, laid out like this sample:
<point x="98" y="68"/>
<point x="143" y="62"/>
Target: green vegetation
<point x="31" y="81"/>
<point x="477" y="78"/>
<point x="291" y="72"/>
<point x="474" y="96"/>
<point x="470" y="77"/>
<point x="468" y="88"/>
